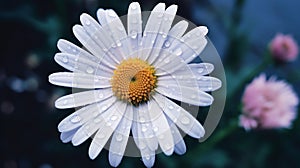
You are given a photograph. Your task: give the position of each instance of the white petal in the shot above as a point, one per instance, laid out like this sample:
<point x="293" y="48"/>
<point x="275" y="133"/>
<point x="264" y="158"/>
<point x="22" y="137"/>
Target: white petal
<point x="180" y="147"/>
<point x="84" y="114"/>
<point x="79" y="80"/>
<point x="90" y="38"/>
<point x="67" y="136"/>
<point x="161" y="128"/>
<point x="101" y="16"/>
<point x="83" y="98"/>
<point x="118" y="34"/>
<point x="84" y="132"/>
<point x="134" y="26"/>
<point x="152" y="29"/>
<point x="190" y="95"/>
<point x="201" y="69"/>
<point x="183" y="119"/>
<point x="106" y="128"/>
<point x="178" y="30"/>
<point x="77" y="63"/>
<point x="148" y="155"/>
<point x="207" y="83"/>
<point x="145" y="126"/>
<point x="120" y="137"/>
<point x="162" y="33"/>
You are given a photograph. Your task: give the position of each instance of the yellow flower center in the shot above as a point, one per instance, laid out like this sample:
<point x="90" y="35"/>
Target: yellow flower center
<point x="133" y="81"/>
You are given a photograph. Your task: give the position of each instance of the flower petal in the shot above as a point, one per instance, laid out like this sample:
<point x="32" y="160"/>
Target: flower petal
<point x="68" y="135"/>
<point x="120" y="137"/>
<point x="162" y="33"/>
<point x="151" y="30"/>
<point x="79" y="80"/>
<point x="106" y="128"/>
<point x="81" y="116"/>
<point x="134" y="26"/>
<point x="161" y="128"/>
<point x="207" y="83"/>
<point x="201" y="68"/>
<point x="145" y="126"/>
<point x="90" y="38"/>
<point x="179" y="147"/>
<point x="83" y="98"/>
<point x="183" y="119"/>
<point x="101" y="16"/>
<point x="79" y="64"/>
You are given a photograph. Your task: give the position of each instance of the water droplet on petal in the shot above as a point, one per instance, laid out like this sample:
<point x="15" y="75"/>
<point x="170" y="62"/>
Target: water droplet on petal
<point x="113" y="45"/>
<point x="155" y="129"/>
<point x="142" y="119"/>
<point x="167" y="60"/>
<point x="65" y="102"/>
<point x="185" y="120"/>
<point x="133" y="34"/>
<point x="100" y="95"/>
<point x="178" y="51"/>
<point x="65" y="59"/>
<point x="164" y="35"/>
<point x="75" y="119"/>
<point x="160" y="15"/>
<point x="104" y="107"/>
<point x="108" y="124"/>
<point x="97" y="120"/>
<point x="119" y="44"/>
<point x="144" y="129"/>
<point x="111" y="13"/>
<point x="89" y="70"/>
<point x="119" y="137"/>
<point x="113" y="118"/>
<point x="133" y="6"/>
<point x="200" y="70"/>
<point x="87" y="22"/>
<point x="167" y="44"/>
<point x="147" y="157"/>
<point x="142" y="145"/>
<point x="171" y="107"/>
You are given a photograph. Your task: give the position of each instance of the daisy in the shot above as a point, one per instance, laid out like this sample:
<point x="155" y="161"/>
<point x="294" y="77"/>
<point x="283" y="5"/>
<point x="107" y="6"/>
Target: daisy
<point x="133" y="77"/>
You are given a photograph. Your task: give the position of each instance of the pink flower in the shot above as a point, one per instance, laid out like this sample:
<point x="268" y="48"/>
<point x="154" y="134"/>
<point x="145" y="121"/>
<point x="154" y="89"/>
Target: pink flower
<point x="284" y="48"/>
<point x="268" y="104"/>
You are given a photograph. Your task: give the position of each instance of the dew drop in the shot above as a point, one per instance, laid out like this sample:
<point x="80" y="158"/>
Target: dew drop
<point x="75" y="119"/>
<point x="142" y="119"/>
<point x="119" y="44"/>
<point x="89" y="70"/>
<point x="104" y="107"/>
<point x="119" y="137"/>
<point x="113" y="45"/>
<point x="108" y="124"/>
<point x="65" y="59"/>
<point x="167" y="44"/>
<point x="133" y="34"/>
<point x="164" y="35"/>
<point x="178" y="51"/>
<point x="195" y="47"/>
<point x="74" y="50"/>
<point x="100" y="95"/>
<point x="133" y="6"/>
<point x="87" y="22"/>
<point x="111" y="13"/>
<point x="147" y="157"/>
<point x="97" y="120"/>
<point x="167" y="60"/>
<point x="185" y="120"/>
<point x="160" y="15"/>
<point x="65" y="102"/>
<point x="155" y="129"/>
<point x="144" y="129"/>
<point x="153" y="41"/>
<point x="200" y="70"/>
<point x="171" y="107"/>
<point x="113" y="118"/>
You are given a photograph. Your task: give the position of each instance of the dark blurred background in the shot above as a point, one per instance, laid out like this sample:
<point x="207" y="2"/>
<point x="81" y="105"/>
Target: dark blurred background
<point x="240" y="29"/>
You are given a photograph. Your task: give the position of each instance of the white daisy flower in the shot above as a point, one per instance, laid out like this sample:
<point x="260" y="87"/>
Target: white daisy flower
<point x="134" y="76"/>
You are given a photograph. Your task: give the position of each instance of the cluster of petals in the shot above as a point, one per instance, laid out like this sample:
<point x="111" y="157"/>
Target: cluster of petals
<point x="268" y="104"/>
<point x="102" y="115"/>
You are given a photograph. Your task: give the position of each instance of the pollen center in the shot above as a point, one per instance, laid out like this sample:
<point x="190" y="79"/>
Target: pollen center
<point x="133" y="81"/>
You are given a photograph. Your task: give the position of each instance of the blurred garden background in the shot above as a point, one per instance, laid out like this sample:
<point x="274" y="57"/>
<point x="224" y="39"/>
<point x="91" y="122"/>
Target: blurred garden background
<point x="242" y="32"/>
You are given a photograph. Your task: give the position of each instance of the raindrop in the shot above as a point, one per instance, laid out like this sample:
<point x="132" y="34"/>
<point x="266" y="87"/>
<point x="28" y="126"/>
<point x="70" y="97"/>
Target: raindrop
<point x="147" y="157"/>
<point x="111" y="13"/>
<point x="185" y="120"/>
<point x="89" y="70"/>
<point x="194" y="55"/>
<point x="160" y="15"/>
<point x="133" y="6"/>
<point x="113" y="118"/>
<point x="97" y="120"/>
<point x="195" y="47"/>
<point x="133" y="34"/>
<point x="155" y="129"/>
<point x="119" y="44"/>
<point x="167" y="44"/>
<point x="120" y="28"/>
<point x="104" y="107"/>
<point x="178" y="51"/>
<point x="167" y="60"/>
<point x="153" y="41"/>
<point x="168" y="146"/>
<point x="142" y="119"/>
<point x="108" y="124"/>
<point x="101" y="95"/>
<point x="65" y="59"/>
<point x="171" y="107"/>
<point x="113" y="45"/>
<point x="200" y="70"/>
<point x="75" y="119"/>
<point x="65" y="102"/>
<point x="87" y="22"/>
<point x="74" y="50"/>
<point x="164" y="35"/>
<point x="144" y="129"/>
<point x="119" y="137"/>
